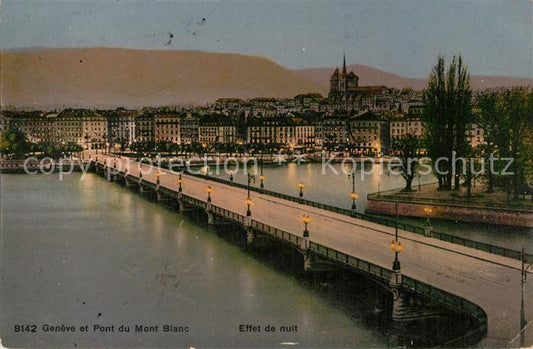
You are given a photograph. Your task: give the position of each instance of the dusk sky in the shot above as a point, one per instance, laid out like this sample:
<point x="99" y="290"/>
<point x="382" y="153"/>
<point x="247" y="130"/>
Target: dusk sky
<point x="404" y="37"/>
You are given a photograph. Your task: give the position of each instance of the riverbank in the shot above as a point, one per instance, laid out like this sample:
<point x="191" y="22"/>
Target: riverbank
<point x="428" y="202"/>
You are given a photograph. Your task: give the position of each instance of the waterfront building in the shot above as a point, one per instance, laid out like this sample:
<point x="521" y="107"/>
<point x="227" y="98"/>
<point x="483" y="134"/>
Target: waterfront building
<point x="475" y="135"/>
<point x="332" y="132"/>
<point x="409" y="124"/>
<point x="213" y="129"/>
<point x="81" y="126"/>
<point x="370" y="134"/>
<point x="189" y="129"/>
<point x="144" y="127"/>
<point x="121" y="127"/>
<point x="293" y="133"/>
<point x="167" y="127"/>
<point x="37" y="127"/>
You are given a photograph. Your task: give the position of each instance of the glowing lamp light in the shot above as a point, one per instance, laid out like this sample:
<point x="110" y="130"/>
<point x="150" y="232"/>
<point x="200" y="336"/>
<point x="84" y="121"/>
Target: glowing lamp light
<point x="248" y="202"/>
<point x="306" y="219"/>
<point x="301" y="185"/>
<point x="396" y="246"/>
<point x="428" y="210"/>
<point x="353" y="195"/>
<point x="209" y="189"/>
<point x="262" y="177"/>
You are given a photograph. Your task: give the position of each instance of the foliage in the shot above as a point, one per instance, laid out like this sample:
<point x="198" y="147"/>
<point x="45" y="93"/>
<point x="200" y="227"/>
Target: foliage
<point x="406" y="148"/>
<point x="13" y="143"/>
<point x="447" y="112"/>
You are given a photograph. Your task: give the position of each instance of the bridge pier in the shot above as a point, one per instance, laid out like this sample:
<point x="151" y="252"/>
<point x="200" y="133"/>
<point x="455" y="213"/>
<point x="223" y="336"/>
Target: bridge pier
<point x="211" y="219"/>
<point x="143" y="188"/>
<point x="399" y="307"/>
<point x="250" y="236"/>
<point x="129" y="182"/>
<point x="308" y="261"/>
<point x="313" y="263"/>
<point x="159" y="195"/>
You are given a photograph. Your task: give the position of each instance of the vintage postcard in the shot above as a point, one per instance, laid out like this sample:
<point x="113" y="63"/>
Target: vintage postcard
<point x="266" y="174"/>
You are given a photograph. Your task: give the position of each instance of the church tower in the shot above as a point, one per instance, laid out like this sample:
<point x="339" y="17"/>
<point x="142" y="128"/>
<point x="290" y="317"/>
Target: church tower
<point x="343" y="86"/>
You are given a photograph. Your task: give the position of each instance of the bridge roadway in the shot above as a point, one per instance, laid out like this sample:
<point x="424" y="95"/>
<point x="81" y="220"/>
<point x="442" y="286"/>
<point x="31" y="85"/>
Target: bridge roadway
<point x="487" y="280"/>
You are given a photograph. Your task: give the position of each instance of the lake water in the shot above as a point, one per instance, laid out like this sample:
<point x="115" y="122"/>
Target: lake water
<point x="92" y="253"/>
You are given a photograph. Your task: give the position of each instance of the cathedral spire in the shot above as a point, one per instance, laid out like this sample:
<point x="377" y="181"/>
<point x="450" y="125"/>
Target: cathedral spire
<point x="344" y="63"/>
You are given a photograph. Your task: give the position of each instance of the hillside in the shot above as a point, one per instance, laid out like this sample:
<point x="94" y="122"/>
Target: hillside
<point x="107" y="77"/>
<point x="371" y="76"/>
<point x="111" y="77"/>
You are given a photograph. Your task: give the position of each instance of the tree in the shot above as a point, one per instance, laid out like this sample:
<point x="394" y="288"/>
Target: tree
<point x="515" y="107"/>
<point x="447" y="112"/>
<point x="13" y="142"/>
<point x="488" y="119"/>
<point x="406" y="147"/>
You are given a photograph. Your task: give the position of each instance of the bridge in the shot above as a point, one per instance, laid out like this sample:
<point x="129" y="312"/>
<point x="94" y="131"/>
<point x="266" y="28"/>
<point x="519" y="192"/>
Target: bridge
<point x="485" y="285"/>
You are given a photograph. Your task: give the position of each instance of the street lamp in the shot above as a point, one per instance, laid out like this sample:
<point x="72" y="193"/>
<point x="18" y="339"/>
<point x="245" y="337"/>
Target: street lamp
<point x="396" y="246"/>
<point x="231" y="175"/>
<point x="180" y="181"/>
<point x="249" y="203"/>
<point x="157" y="177"/>
<point x="523" y="321"/>
<point x="301" y="186"/>
<point x="262" y="177"/>
<point x="250" y="178"/>
<point x="306" y="219"/>
<point x="353" y="194"/>
<point x="209" y="189"/>
<point x="428" y="211"/>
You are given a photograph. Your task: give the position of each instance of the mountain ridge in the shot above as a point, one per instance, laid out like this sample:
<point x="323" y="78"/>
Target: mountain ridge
<point x="102" y="77"/>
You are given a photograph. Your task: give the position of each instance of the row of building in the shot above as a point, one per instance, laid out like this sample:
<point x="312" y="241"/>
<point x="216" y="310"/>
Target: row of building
<point x="368" y="132"/>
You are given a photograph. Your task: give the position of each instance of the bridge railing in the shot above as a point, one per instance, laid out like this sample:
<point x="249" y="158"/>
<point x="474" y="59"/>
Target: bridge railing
<point x="352" y="261"/>
<point x="228" y="214"/>
<point x="449" y="202"/>
<point x="454" y="302"/>
<point x="281" y="234"/>
<point x="194" y="201"/>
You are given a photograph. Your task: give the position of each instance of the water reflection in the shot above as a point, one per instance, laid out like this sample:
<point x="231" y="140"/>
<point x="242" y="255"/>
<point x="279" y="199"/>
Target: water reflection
<point x="167" y="269"/>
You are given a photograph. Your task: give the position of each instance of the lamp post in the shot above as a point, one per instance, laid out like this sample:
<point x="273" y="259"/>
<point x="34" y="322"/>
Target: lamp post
<point x="301" y="186"/>
<point x="209" y="189"/>
<point x="248" y="203"/>
<point x="231" y="175"/>
<point x="396" y="246"/>
<point x="419" y="182"/>
<point x="157" y="177"/>
<point x="180" y="182"/>
<point x="306" y="219"/>
<point x="262" y="177"/>
<point x="523" y="321"/>
<point x="250" y="178"/>
<point x="249" y="199"/>
<point x="428" y="211"/>
<point x="353" y="194"/>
